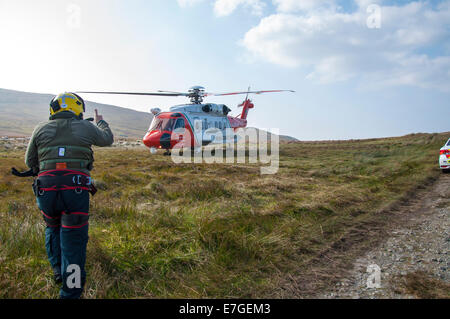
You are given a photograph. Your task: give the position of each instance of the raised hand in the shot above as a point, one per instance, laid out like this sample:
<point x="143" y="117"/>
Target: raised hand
<point x="97" y="117"/>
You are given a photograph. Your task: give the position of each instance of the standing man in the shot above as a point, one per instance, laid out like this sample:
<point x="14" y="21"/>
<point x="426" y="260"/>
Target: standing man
<point x="60" y="151"/>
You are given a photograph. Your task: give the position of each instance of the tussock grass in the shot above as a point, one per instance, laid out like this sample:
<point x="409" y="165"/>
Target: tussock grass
<point x="423" y="285"/>
<point x="165" y="230"/>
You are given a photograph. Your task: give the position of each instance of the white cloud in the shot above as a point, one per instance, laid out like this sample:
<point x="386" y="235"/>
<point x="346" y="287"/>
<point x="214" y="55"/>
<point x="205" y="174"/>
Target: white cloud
<point x="188" y="3"/>
<point x="332" y="46"/>
<point x="226" y="7"/>
<point x="300" y="5"/>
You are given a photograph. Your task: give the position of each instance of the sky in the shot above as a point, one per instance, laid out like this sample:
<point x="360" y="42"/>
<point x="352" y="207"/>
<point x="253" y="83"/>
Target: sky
<point x="360" y="68"/>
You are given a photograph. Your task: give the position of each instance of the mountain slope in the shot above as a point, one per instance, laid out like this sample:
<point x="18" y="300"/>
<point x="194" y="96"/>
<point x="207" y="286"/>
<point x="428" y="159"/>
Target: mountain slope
<point x="21" y="111"/>
<point x="282" y="138"/>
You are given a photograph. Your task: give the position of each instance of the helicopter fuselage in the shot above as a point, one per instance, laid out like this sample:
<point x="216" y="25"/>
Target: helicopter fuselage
<point x="194" y="125"/>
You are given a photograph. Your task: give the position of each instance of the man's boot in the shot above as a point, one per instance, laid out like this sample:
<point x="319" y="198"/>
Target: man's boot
<point x="57" y="277"/>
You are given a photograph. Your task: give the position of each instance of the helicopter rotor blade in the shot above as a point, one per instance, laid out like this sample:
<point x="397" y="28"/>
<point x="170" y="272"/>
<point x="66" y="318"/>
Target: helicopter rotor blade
<point x="190" y="94"/>
<point x="137" y="93"/>
<point x="161" y="91"/>
<point x="247" y="92"/>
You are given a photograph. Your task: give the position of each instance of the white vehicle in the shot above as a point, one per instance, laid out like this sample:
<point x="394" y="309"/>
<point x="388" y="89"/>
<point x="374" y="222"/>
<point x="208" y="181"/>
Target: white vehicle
<point x="444" y="157"/>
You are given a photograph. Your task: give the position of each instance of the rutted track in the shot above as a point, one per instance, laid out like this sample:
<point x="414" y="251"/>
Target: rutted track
<point x="410" y="239"/>
<point x="421" y="245"/>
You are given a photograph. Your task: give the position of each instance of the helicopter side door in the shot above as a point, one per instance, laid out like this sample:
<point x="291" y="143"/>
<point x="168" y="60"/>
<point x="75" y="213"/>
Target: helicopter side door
<point x="181" y="129"/>
<point x="179" y="132"/>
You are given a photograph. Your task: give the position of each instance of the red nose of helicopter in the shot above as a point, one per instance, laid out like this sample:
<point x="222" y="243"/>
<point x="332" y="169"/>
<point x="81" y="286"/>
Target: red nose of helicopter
<point x="152" y="139"/>
<point x="158" y="139"/>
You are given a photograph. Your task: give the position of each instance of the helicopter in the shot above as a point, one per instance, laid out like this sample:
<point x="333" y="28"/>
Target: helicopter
<point x="196" y="124"/>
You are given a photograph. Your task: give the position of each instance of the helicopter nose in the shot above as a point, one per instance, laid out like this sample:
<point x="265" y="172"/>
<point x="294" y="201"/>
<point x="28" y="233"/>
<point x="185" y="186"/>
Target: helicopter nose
<point x="152" y="139"/>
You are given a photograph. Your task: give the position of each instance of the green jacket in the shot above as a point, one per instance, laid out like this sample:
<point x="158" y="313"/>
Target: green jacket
<point x="66" y="139"/>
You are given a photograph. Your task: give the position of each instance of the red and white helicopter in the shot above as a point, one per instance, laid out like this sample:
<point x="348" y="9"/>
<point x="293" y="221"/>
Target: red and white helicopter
<point x="202" y="122"/>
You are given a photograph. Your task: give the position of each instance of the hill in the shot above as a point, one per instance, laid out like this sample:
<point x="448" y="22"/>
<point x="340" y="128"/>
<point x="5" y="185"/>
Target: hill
<point x="21" y="111"/>
<point x="282" y="138"/>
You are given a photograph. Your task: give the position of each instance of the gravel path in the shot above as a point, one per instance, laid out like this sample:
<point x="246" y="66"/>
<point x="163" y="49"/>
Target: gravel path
<point x="420" y="246"/>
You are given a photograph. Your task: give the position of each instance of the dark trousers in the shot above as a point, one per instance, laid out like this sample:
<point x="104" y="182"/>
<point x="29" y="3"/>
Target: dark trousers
<point x="66" y="236"/>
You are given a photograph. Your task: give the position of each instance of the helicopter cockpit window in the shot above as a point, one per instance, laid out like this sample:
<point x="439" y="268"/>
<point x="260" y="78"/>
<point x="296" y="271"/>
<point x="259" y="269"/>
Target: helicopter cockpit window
<point x="179" y="124"/>
<point x="156" y="124"/>
<point x="167" y="124"/>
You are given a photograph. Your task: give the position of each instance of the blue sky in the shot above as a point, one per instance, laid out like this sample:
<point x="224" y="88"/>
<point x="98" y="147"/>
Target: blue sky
<point x="351" y="81"/>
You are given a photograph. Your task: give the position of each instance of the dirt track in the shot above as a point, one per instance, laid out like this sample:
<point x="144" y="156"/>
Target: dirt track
<point x="409" y="241"/>
<point x="414" y="256"/>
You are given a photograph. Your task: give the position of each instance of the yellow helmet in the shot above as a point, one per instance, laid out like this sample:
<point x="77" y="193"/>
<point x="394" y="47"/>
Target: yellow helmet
<point x="67" y="102"/>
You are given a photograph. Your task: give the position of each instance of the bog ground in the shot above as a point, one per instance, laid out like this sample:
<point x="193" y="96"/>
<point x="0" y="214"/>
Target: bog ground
<point x="164" y="230"/>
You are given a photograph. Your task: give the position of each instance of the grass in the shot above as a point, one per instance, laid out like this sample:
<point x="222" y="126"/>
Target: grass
<point x="165" y="230"/>
<point x="423" y="285"/>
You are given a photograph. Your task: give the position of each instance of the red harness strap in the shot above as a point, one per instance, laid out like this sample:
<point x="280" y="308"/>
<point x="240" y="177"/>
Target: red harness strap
<point x="61" y="180"/>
